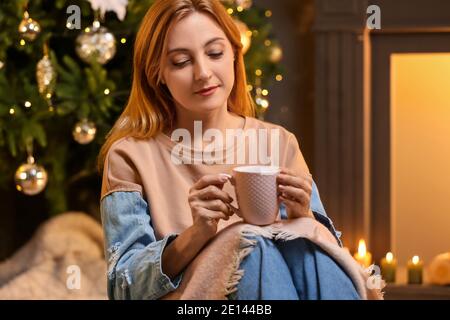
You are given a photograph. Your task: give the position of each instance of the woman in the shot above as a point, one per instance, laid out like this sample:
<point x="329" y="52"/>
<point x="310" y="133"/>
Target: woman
<point x="158" y="214"/>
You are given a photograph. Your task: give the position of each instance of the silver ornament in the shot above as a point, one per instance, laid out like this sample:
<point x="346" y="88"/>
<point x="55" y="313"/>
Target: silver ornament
<point x="46" y="76"/>
<point x="30" y="178"/>
<point x="84" y="131"/>
<point x="96" y="42"/>
<point x="29" y="28"/>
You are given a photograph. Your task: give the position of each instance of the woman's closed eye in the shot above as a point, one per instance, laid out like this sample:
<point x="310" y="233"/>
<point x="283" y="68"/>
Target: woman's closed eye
<point x="215" y="55"/>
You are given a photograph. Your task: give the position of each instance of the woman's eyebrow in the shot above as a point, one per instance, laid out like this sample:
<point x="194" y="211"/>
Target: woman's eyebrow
<point x="206" y="43"/>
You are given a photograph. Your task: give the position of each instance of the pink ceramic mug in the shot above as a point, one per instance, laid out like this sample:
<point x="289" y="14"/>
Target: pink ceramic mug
<point x="256" y="192"/>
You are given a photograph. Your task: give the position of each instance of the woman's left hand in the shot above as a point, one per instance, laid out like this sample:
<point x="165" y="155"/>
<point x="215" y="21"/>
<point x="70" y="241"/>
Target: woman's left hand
<point x="295" y="192"/>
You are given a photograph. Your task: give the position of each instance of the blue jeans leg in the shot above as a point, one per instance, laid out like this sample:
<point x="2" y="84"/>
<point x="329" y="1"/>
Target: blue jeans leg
<point x="291" y="270"/>
<point x="315" y="274"/>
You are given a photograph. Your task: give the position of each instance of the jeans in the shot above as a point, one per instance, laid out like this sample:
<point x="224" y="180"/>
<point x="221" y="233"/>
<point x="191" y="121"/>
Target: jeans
<point x="292" y="270"/>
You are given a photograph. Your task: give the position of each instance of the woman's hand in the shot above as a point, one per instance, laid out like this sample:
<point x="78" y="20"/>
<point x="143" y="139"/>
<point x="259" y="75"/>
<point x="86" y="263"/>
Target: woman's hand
<point x="295" y="192"/>
<point x="209" y="203"/>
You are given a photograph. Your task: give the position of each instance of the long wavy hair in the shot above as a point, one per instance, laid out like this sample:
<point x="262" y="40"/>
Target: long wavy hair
<point x="150" y="108"/>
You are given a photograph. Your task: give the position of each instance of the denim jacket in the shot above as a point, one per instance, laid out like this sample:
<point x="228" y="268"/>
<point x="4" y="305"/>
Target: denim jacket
<point x="133" y="253"/>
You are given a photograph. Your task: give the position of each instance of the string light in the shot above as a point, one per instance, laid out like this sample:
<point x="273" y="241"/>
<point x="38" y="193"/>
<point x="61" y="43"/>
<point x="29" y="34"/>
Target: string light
<point x="22" y="42"/>
<point x="239" y="9"/>
<point x="268" y="13"/>
<point x="278" y="77"/>
<point x="267" y="43"/>
<point x="106" y="92"/>
<point x="12" y="111"/>
<point x="249" y="87"/>
<point x="230" y="11"/>
<point x="69" y="25"/>
<point x="265" y="92"/>
<point x="27" y="104"/>
<point x="87" y="29"/>
<point x="258" y="72"/>
<point x="48" y="95"/>
<point x="123" y="40"/>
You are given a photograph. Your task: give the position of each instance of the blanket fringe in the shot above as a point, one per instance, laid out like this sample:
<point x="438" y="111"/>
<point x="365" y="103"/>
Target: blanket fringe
<point x="246" y="245"/>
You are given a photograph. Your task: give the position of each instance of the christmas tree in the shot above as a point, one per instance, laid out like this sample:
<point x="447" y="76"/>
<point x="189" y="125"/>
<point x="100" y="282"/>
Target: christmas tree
<point x="65" y="75"/>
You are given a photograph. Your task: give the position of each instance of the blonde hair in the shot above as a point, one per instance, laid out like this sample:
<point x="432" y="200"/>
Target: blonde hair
<point x="150" y="108"/>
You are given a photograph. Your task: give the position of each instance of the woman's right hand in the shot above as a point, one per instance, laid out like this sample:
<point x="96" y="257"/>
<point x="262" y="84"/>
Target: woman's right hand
<point x="209" y="203"/>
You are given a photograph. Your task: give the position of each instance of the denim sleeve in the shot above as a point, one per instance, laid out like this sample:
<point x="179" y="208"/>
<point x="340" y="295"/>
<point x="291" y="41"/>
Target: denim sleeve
<point x="319" y="213"/>
<point x="133" y="255"/>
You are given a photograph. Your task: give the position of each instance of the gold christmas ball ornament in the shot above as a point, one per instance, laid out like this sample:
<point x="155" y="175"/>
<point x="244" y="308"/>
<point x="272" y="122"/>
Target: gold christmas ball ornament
<point x="30" y="178"/>
<point x="246" y="38"/>
<point x="46" y="76"/>
<point x="96" y="42"/>
<point x="29" y="29"/>
<point x="84" y="131"/>
<point x="276" y="53"/>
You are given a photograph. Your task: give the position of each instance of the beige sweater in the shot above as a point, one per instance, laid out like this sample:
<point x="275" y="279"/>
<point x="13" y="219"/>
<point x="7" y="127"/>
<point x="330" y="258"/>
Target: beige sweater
<point x="147" y="166"/>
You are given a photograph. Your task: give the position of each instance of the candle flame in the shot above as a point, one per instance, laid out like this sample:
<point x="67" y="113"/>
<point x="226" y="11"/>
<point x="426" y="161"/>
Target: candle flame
<point x="362" y="248"/>
<point x="415" y="259"/>
<point x="389" y="257"/>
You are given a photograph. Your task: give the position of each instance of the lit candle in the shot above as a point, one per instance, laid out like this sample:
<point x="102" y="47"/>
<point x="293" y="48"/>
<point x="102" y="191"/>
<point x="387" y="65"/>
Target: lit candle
<point x="388" y="268"/>
<point x="363" y="257"/>
<point x="415" y="270"/>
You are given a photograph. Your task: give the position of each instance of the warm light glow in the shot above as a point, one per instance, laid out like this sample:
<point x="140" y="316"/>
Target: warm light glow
<point x="265" y="92"/>
<point x="11" y="111"/>
<point x="22" y="42"/>
<point x="268" y="13"/>
<point x="362" y="248"/>
<point x="419" y="99"/>
<point x="96" y="24"/>
<point x="87" y="29"/>
<point x="48" y="95"/>
<point x="278" y="77"/>
<point x="123" y="40"/>
<point x="267" y="43"/>
<point x="69" y="25"/>
<point x="106" y="92"/>
<point x="239" y="8"/>
<point x="249" y="87"/>
<point x="389" y="257"/>
<point x="415" y="259"/>
<point x="27" y="104"/>
<point x="230" y="11"/>
<point x="258" y="72"/>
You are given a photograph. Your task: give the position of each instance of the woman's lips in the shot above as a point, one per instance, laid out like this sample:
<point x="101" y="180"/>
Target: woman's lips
<point x="208" y="92"/>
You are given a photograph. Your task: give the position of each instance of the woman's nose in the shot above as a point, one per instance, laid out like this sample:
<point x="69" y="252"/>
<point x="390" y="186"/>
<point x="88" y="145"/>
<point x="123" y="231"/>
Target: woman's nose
<point x="202" y="70"/>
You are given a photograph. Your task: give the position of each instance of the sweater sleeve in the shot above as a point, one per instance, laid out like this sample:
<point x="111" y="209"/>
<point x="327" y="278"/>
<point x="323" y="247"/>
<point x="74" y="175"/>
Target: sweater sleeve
<point x="293" y="158"/>
<point x="295" y="161"/>
<point x="119" y="171"/>
<point x="132" y="252"/>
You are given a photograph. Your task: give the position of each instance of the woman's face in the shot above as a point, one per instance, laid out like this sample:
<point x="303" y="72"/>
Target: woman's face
<point x="199" y="56"/>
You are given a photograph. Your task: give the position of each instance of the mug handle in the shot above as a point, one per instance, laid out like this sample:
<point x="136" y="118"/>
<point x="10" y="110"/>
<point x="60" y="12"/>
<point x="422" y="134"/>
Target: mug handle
<point x="233" y="208"/>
